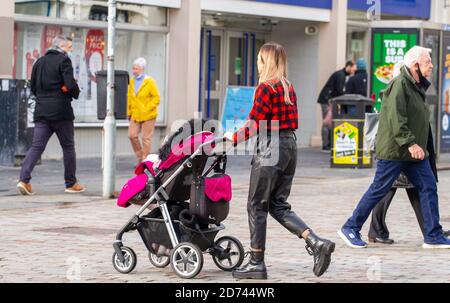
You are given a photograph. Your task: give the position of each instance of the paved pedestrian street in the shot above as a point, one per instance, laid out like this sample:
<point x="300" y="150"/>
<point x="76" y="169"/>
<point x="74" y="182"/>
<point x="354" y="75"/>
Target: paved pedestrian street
<point x="55" y="237"/>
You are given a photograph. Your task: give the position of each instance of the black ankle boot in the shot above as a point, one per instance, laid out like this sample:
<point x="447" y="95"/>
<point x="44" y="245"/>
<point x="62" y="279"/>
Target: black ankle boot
<point x="321" y="250"/>
<point x="254" y="269"/>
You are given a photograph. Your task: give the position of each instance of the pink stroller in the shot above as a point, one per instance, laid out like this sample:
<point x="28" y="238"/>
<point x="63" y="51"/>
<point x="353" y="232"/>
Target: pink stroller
<point x="188" y="208"/>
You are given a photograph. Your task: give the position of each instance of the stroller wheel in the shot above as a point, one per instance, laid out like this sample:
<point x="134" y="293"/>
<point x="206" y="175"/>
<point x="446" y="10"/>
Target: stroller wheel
<point x="186" y="260"/>
<point x="229" y="253"/>
<point x="158" y="261"/>
<point x="130" y="260"/>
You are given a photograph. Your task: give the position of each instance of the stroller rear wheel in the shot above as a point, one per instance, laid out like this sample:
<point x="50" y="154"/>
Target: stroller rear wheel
<point x="158" y="261"/>
<point x="229" y="253"/>
<point x="130" y="260"/>
<point x="186" y="260"/>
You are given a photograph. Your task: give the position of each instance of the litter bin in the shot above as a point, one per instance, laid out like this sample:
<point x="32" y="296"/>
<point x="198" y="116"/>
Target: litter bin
<point x="15" y="134"/>
<point x="347" y="149"/>
<point x="121" y="93"/>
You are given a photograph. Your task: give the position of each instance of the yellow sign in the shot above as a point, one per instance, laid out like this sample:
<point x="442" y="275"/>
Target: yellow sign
<point x="345" y="138"/>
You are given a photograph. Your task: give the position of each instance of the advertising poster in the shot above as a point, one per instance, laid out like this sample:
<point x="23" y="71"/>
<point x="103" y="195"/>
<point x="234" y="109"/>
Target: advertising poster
<point x="94" y="54"/>
<point x="80" y="74"/>
<point x="445" y="102"/>
<point x="237" y="106"/>
<point x="388" y="48"/>
<point x="48" y="34"/>
<point x="345" y="138"/>
<point x="32" y="48"/>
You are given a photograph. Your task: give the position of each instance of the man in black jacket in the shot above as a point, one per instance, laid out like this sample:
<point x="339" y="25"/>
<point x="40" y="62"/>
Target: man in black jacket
<point x="334" y="87"/>
<point x="53" y="85"/>
<point x="357" y="84"/>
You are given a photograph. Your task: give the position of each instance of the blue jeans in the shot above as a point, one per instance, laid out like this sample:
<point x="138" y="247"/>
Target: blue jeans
<point x="420" y="175"/>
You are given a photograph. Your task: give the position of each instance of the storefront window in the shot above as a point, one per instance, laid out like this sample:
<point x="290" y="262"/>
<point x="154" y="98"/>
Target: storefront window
<point x="431" y="40"/>
<point x="89" y="56"/>
<point x="83" y="10"/>
<point x="357" y="43"/>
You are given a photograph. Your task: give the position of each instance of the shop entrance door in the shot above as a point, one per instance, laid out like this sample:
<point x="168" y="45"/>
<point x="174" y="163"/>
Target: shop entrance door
<point x="227" y="58"/>
<point x="211" y="69"/>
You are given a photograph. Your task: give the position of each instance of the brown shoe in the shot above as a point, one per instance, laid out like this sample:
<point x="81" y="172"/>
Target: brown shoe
<point x="25" y="188"/>
<point x="77" y="188"/>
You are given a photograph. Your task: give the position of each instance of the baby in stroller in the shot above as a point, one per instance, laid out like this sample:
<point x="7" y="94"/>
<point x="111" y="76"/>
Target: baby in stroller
<point x="184" y="195"/>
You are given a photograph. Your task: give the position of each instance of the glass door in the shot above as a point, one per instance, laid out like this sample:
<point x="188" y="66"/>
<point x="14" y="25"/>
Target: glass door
<point x="242" y="50"/>
<point x="238" y="57"/>
<point x="227" y="58"/>
<point x="211" y="73"/>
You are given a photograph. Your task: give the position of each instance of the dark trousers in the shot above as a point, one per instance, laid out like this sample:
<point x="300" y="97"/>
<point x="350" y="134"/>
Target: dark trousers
<point x="378" y="228"/>
<point x="326" y="131"/>
<point x="270" y="186"/>
<point x="421" y="176"/>
<point x="43" y="130"/>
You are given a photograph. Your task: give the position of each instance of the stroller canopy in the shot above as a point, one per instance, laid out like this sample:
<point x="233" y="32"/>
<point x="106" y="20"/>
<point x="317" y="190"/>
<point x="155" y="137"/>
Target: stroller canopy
<point x="185" y="148"/>
<point x="181" y="150"/>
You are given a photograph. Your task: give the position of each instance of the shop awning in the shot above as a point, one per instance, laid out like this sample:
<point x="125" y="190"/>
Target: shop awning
<point x="163" y="3"/>
<point x="271" y="9"/>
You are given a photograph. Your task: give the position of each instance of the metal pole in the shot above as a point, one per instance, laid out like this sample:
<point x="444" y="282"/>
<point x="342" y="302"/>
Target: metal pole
<point x="109" y="126"/>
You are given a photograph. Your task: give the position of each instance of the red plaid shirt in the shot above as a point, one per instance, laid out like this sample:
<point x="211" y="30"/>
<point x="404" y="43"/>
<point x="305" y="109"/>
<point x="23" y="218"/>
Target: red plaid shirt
<point x="269" y="105"/>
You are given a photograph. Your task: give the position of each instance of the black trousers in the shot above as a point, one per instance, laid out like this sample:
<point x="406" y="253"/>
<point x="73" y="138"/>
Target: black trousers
<point x="43" y="130"/>
<point x="273" y="169"/>
<point x="378" y="228"/>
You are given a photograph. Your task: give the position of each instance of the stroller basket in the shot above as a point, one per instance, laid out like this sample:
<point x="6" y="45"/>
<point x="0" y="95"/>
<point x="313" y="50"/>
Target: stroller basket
<point x="204" y="239"/>
<point x="154" y="231"/>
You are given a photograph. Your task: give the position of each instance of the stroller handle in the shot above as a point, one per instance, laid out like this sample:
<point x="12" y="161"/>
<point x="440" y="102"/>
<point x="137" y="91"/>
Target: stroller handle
<point x="209" y="143"/>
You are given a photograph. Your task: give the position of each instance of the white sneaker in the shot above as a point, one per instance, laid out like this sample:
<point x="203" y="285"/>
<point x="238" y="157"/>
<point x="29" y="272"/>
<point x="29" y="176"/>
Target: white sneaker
<point x="441" y="242"/>
<point x="435" y="246"/>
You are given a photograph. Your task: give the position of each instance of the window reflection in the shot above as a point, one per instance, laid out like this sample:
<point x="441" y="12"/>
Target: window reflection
<point x="81" y="10"/>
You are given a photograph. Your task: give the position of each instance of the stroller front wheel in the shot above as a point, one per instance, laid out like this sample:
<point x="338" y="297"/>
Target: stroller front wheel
<point x="186" y="260"/>
<point x="130" y="260"/>
<point x="158" y="261"/>
<point x="228" y="254"/>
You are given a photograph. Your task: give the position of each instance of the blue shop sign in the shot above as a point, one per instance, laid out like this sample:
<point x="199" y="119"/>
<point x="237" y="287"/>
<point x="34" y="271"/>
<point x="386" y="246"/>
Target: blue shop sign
<point x="410" y="8"/>
<point x="325" y="4"/>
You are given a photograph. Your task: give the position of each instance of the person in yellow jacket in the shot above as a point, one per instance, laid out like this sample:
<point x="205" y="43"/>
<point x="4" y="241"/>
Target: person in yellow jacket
<point x="143" y="101"/>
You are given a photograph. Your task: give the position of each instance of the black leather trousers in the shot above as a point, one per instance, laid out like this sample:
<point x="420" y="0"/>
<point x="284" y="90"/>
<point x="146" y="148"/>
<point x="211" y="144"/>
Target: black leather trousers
<point x="273" y="169"/>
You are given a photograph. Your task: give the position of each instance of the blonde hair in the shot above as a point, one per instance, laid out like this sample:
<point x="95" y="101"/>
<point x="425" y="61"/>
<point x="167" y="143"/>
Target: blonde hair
<point x="274" y="60"/>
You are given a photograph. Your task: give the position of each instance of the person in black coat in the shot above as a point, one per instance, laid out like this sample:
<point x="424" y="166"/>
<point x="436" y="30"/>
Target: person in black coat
<point x="53" y="85"/>
<point x="334" y="87"/>
<point x="357" y="84"/>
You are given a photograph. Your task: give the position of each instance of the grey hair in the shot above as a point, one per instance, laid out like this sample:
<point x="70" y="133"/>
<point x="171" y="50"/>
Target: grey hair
<point x="411" y="57"/>
<point x="141" y="62"/>
<point x="56" y="42"/>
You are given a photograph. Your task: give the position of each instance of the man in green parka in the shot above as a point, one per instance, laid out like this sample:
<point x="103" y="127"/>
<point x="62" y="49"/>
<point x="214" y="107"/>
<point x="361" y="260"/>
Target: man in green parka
<point x="402" y="147"/>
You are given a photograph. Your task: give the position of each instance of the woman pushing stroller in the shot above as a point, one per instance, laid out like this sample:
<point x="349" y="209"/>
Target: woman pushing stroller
<point x="274" y="119"/>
